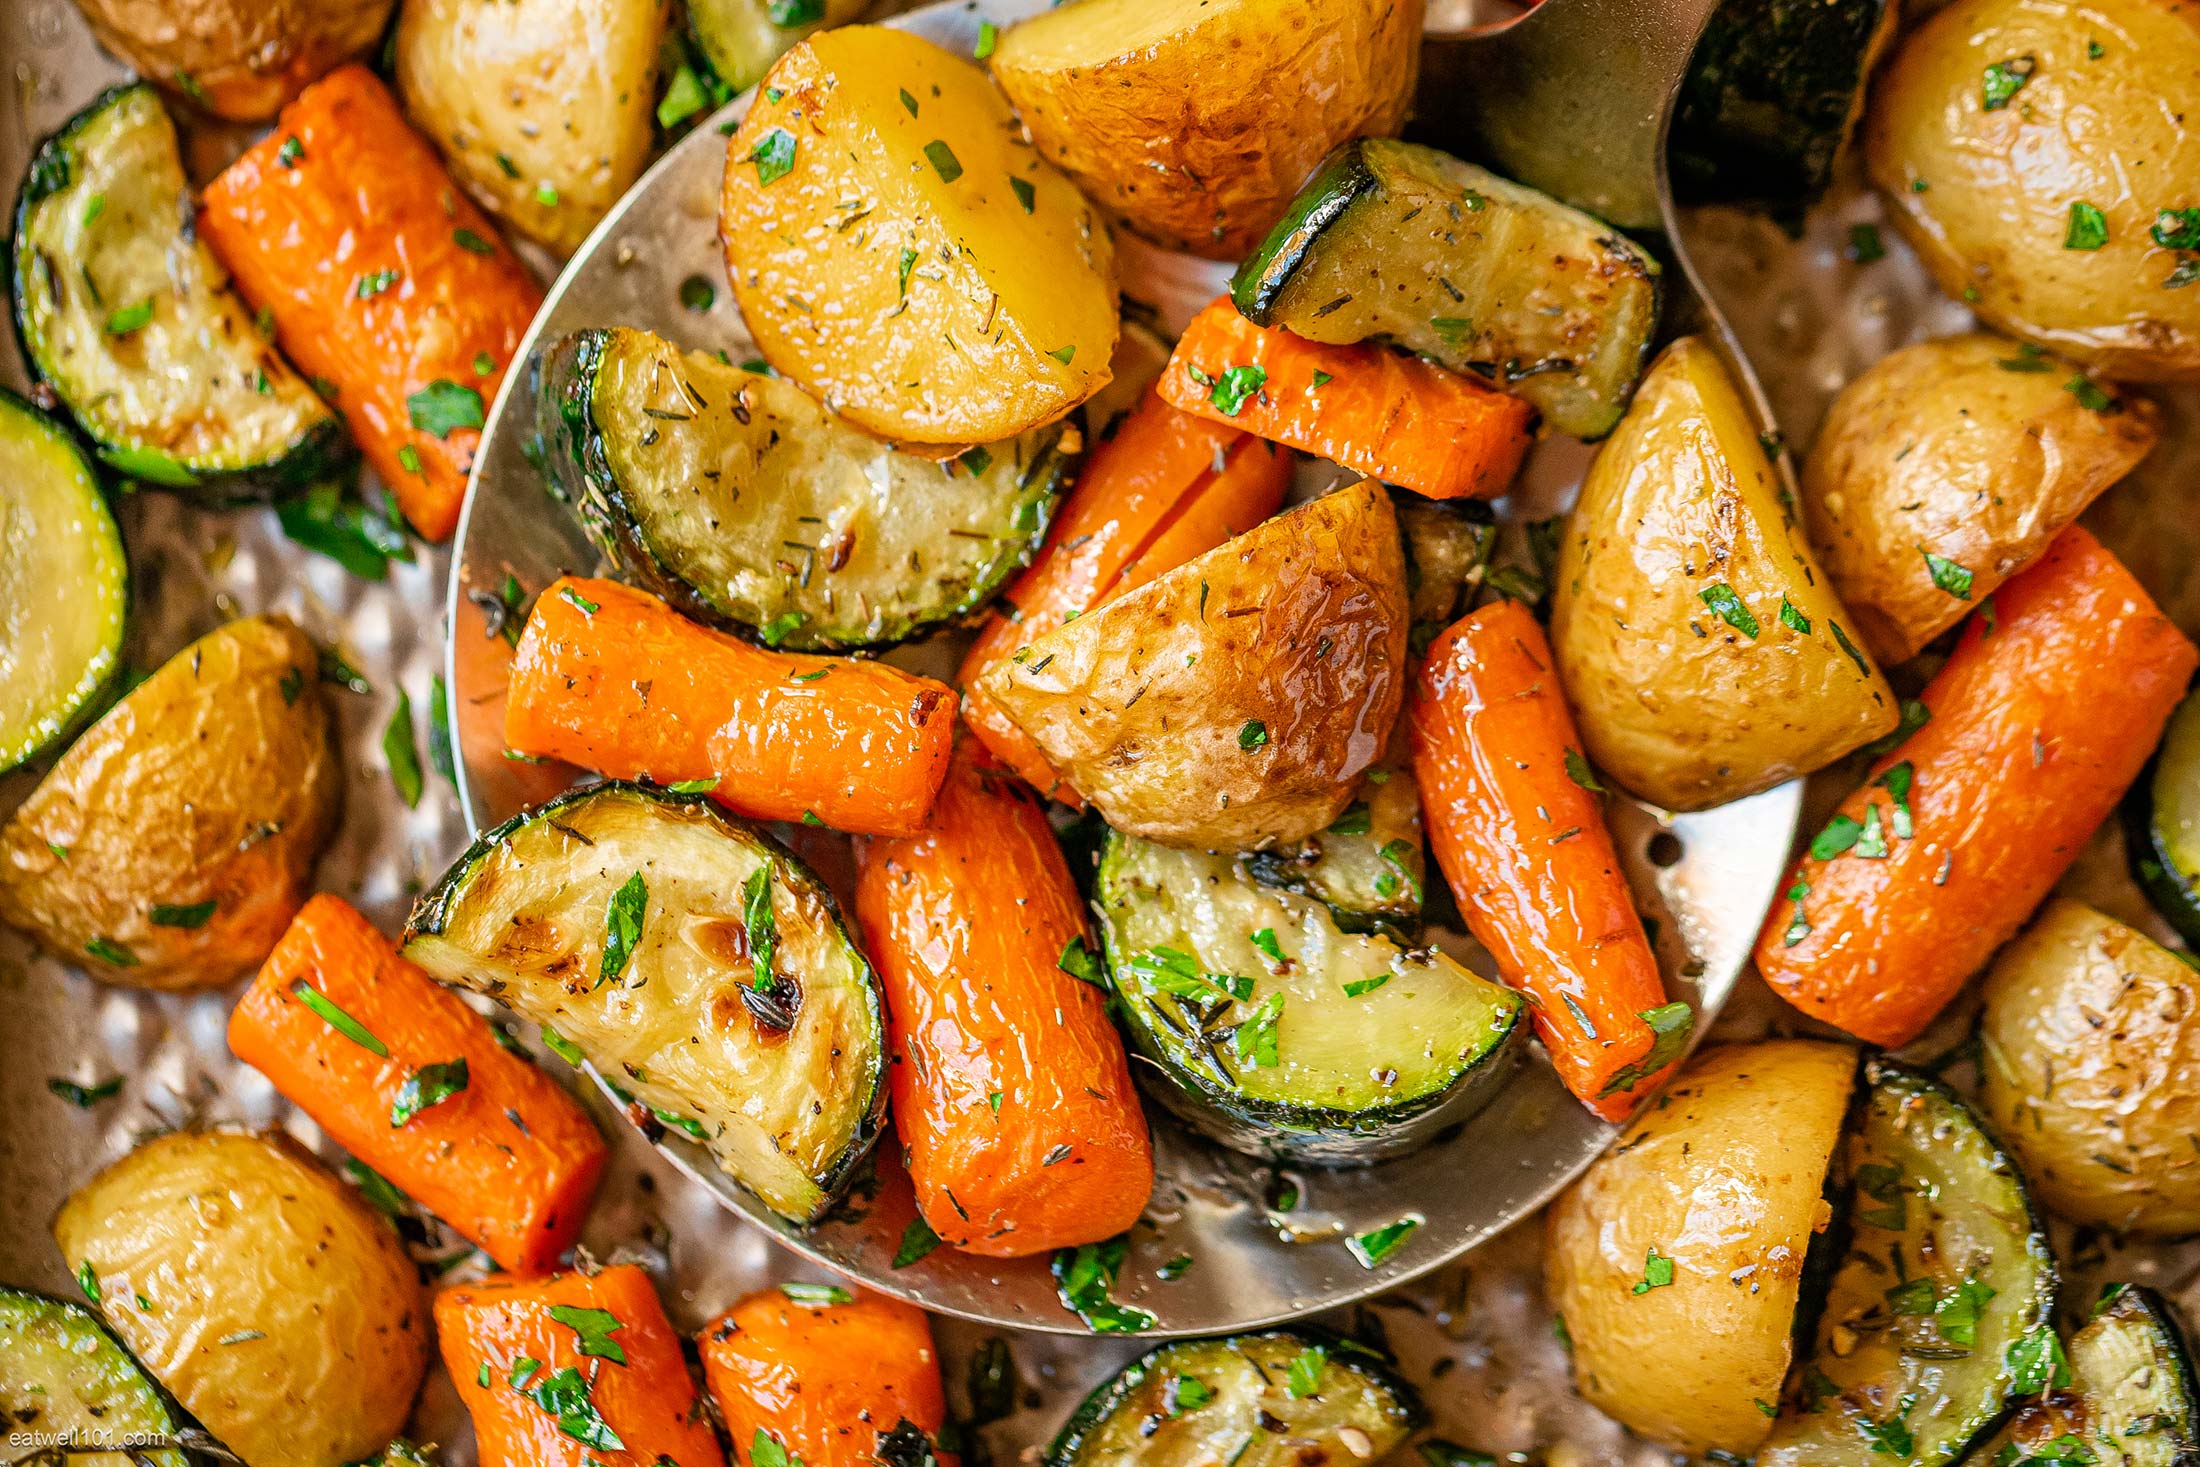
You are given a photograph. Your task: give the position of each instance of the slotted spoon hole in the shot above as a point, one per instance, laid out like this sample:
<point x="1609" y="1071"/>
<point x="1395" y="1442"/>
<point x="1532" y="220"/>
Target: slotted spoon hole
<point x="1665" y="850"/>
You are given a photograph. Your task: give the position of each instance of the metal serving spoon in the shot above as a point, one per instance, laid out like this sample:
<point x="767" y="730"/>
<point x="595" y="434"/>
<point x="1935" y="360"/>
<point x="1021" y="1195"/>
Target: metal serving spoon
<point x="1573" y="98"/>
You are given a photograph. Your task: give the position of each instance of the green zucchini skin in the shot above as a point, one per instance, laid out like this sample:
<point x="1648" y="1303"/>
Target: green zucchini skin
<point x="63" y="1373"/>
<point x="692" y="476"/>
<point x="193" y="399"/>
<point x="1370" y="867"/>
<point x="1127" y="1421"/>
<point x="2161" y="815"/>
<point x="2130" y="1400"/>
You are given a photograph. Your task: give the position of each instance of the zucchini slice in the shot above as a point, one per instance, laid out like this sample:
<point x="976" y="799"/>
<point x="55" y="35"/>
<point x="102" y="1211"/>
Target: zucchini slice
<point x="1402" y="243"/>
<point x="742" y="38"/>
<point x="1369" y="867"/>
<point x="2130" y="1400"/>
<point x="1283" y="1036"/>
<point x="64" y="583"/>
<point x="132" y="321"/>
<point x="738" y="498"/>
<point x="62" y="1375"/>
<point x="1448" y="545"/>
<point x="784" y="1082"/>
<point x="1940" y="1309"/>
<point x="2162" y="824"/>
<point x="1285" y="1397"/>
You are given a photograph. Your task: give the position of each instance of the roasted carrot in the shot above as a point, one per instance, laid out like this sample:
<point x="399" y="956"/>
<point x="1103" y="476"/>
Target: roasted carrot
<point x="616" y="681"/>
<point x="1520" y="836"/>
<point x="476" y="1134"/>
<point x="2055" y="694"/>
<point x="571" y="1370"/>
<point x="1391" y="416"/>
<point x="1011" y="1091"/>
<point x="1164" y="488"/>
<point x="827" y="1377"/>
<point x="383" y="281"/>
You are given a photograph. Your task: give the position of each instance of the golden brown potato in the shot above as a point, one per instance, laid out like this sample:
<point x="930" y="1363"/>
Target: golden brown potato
<point x="1705" y="655"/>
<point x="1195" y="121"/>
<point x="1971" y="449"/>
<point x="543" y="108"/>
<point x="2092" y="1049"/>
<point x="240" y="59"/>
<point x="1724" y="1180"/>
<point x="170" y="846"/>
<point x="1233" y="703"/>
<point x="2032" y="174"/>
<point x="276" y="1307"/>
<point x="976" y="299"/>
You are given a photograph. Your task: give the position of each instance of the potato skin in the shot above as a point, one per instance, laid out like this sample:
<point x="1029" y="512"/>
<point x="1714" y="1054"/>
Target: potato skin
<point x="1196" y="121"/>
<point x="244" y="58"/>
<point x="1985" y="196"/>
<point x="216" y="780"/>
<point x="2092" y="1040"/>
<point x="564" y="89"/>
<point x="1941" y="447"/>
<point x="1725" y="1176"/>
<point x="223" y="1234"/>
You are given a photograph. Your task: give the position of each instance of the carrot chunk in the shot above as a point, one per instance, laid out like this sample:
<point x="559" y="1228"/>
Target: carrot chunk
<point x="828" y="1381"/>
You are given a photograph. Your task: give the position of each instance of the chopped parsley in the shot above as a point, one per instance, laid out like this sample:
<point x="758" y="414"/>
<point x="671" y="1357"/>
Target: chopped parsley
<point x="1947" y="574"/>
<point x="1084" y="1278"/>
<point x="1657" y="1272"/>
<point x="1864" y="246"/>
<point x="917" y="1242"/>
<point x="1377" y="1244"/>
<point x="1720" y="597"/>
<point x="1578" y="770"/>
<point x="1081" y="962"/>
<point x="290" y="152"/>
<point x="1254" y="1040"/>
<point x="2089" y="394"/>
<point x="1252" y="734"/>
<point x="190" y="917"/>
<point x="1670" y="1025"/>
<point x="623" y="917"/>
<point x="430" y="1085"/>
<point x="336" y="1018"/>
<point x="773" y="156"/>
<point x="1234" y="386"/>
<point x="2088" y="227"/>
<point x="1304" y="1377"/>
<point x="84" y="1097"/>
<point x="1025" y="194"/>
<point x="2003" y="80"/>
<point x="443" y="407"/>
<point x="469" y="241"/>
<point x="1792" y="618"/>
<point x="129" y="318"/>
<point x="401" y="754"/>
<point x="374" y="283"/>
<point x="943" y="160"/>
<point x="763" y="926"/>
<point x="989" y="36"/>
<point x="2177" y="229"/>
<point x="817" y="1295"/>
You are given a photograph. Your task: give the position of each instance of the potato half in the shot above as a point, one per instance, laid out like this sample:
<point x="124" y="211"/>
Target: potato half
<point x="1233" y="703"/>
<point x="1195" y="121"/>
<point x="2028" y="149"/>
<point x="239" y="59"/>
<point x="2092" y="1049"/>
<point x="1719" y="1188"/>
<point x="900" y="251"/>
<point x="261" y="1291"/>
<point x="1704" y="652"/>
<point x="173" y="842"/>
<point x="1946" y="467"/>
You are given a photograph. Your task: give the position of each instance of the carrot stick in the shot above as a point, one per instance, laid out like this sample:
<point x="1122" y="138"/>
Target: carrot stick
<point x="1012" y="1094"/>
<point x="827" y="1381"/>
<point x="1391" y="416"/>
<point x="509" y="1160"/>
<point x="2043" y="714"/>
<point x="571" y="1370"/>
<point x="383" y="279"/>
<point x="1521" y="839"/>
<point x="616" y="681"/>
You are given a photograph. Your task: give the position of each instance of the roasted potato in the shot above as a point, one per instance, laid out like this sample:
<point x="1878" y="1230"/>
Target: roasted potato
<point x="1704" y="654"/>
<point x="1233" y="703"/>
<point x="170" y="846"/>
<point x="1195" y="121"/>
<point x="542" y="108"/>
<point x="1718" y="1189"/>
<point x="976" y="300"/>
<point x="239" y="59"/>
<point x="2035" y="153"/>
<point x="2092" y="1044"/>
<point x="1946" y="467"/>
<point x="269" y="1300"/>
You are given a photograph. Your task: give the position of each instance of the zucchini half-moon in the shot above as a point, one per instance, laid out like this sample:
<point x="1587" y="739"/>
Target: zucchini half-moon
<point x="1402" y="243"/>
<point x="1280" y="1035"/>
<point x="2162" y="823"/>
<point x="778" y="1066"/>
<point x="1369" y="866"/>
<point x="2130" y="1401"/>
<point x="65" y="1379"/>
<point x="738" y="498"/>
<point x="131" y="320"/>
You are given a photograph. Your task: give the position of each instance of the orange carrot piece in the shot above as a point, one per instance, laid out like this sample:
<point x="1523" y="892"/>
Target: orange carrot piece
<point x="827" y="1382"/>
<point x="571" y="1370"/>
<point x="383" y="280"/>
<point x="2040" y="719"/>
<point x="1391" y="416"/>
<point x="510" y="1161"/>
<point x="1522" y="842"/>
<point x="614" y="680"/>
<point x="1011" y="1091"/>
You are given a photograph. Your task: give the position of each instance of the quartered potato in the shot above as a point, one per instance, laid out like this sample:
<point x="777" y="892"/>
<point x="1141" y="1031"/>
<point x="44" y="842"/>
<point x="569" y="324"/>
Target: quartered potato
<point x="1195" y="121"/>
<point x="262" y="1292"/>
<point x="2040" y="154"/>
<point x="898" y="250"/>
<point x="239" y="59"/>
<point x="1945" y="468"/>
<point x="171" y="845"/>
<point x="1676" y="1261"/>
<point x="1703" y="652"/>
<point x="1233" y="703"/>
<point x="542" y="108"/>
